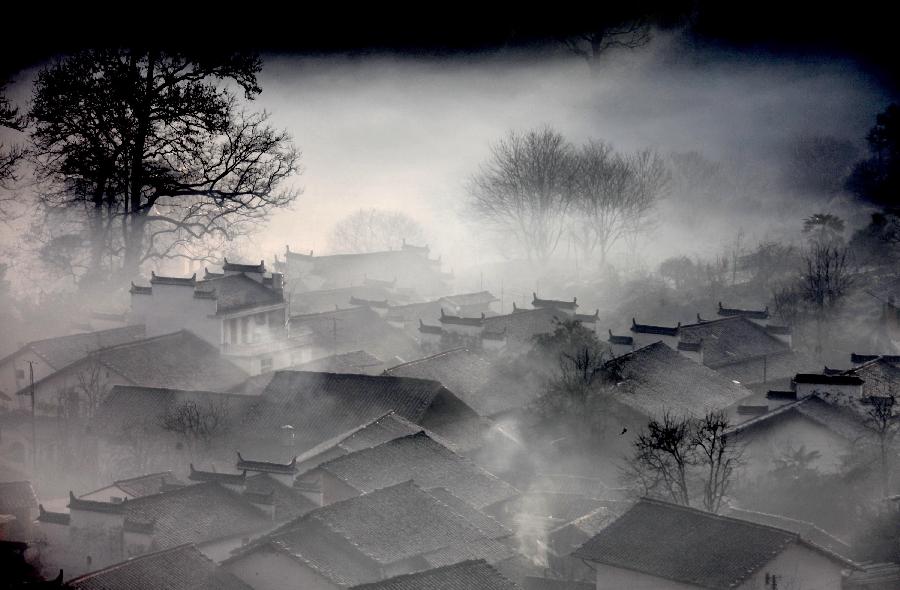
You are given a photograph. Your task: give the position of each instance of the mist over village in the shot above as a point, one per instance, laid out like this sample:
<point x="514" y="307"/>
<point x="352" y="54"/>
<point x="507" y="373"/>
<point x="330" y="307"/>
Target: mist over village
<point x="600" y="303"/>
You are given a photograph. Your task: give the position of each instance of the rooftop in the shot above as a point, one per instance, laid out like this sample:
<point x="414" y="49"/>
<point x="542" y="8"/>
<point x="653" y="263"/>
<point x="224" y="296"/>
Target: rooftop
<point x="62" y="351"/>
<point x="688" y="545"/>
<point x="239" y="292"/>
<point x="419" y="458"/>
<point x="732" y="339"/>
<point x="553" y="303"/>
<point x="267" y="466"/>
<point x="757" y="314"/>
<point x="464" y="299"/>
<point x="655" y="379"/>
<point x="179" y="568"/>
<point x="235" y="267"/>
<point x="461" y="321"/>
<point x="650" y="329"/>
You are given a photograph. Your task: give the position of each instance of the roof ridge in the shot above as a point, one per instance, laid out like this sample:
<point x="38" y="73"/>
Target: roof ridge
<point x="426" y="358"/>
<point x="797" y="520"/>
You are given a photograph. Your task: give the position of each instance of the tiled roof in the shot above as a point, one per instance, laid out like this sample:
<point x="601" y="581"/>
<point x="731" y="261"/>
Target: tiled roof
<point x="818" y="379"/>
<point x="234" y="267"/>
<point x="486" y="524"/>
<point x="419" y="458"/>
<point x="125" y="405"/>
<point x="178" y="568"/>
<point x="196" y="514"/>
<point x="367" y="435"/>
<point x="655" y="379"/>
<point x="553" y="303"/>
<point x="522" y="325"/>
<point x="428" y="329"/>
<point x="156" y="279"/>
<point x="326" y="299"/>
<point x="266" y="466"/>
<point x="461" y="321"/>
<point x="758" y="314"/>
<point x="414" y="311"/>
<point x="490" y="550"/>
<point x="144" y="485"/>
<point x="179" y="361"/>
<point x="623" y="340"/>
<point x="650" y="329"/>
<point x="806" y="530"/>
<point x="474" y="378"/>
<point x="881" y="376"/>
<point x="223" y="478"/>
<point x="765" y="369"/>
<point x="388" y="525"/>
<point x="64" y="350"/>
<point x="587" y="318"/>
<point x="532" y="583"/>
<point x="382" y="304"/>
<point x="466" y="575"/>
<point x="731" y="340"/>
<point x="322" y="405"/>
<point x="321" y="550"/>
<point x="238" y="292"/>
<point x="289" y="503"/>
<point x="464" y="299"/>
<point x="686" y="545"/>
<point x="16" y="496"/>
<point x="62" y="518"/>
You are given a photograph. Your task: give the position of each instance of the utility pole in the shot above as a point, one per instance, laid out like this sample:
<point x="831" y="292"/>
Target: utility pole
<point x="33" y="429"/>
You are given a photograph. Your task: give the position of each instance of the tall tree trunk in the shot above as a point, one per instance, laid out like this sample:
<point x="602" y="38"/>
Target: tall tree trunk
<point x="135" y="238"/>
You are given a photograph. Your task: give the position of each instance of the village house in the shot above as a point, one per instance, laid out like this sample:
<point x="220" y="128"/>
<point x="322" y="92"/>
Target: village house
<point x="52" y="355"/>
<point x="469" y="304"/>
<point x="407" y="269"/>
<point x="414" y="457"/>
<point x="389" y="532"/>
<point x="514" y="331"/>
<point x="241" y="311"/>
<point x="179" y="568"/>
<point x="660" y="545"/>
<point x="96" y="534"/>
<point x="179" y="360"/>
<point x="307" y="302"/>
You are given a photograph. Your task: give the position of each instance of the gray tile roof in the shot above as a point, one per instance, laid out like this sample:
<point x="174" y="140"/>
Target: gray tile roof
<point x="466" y="575"/>
<point x="487" y="524"/>
<point x="419" y="458"/>
<point x="523" y="324"/>
<point x="732" y="339"/>
<point x="144" y="485"/>
<point x="389" y="525"/>
<point x="307" y="302"/>
<point x="179" y="361"/>
<point x="64" y="350"/>
<point x="289" y="503"/>
<point x="687" y="545"/>
<point x="323" y="405"/>
<point x="178" y="568"/>
<point x="656" y="379"/>
<point x="475" y="378"/>
<point x="463" y="299"/>
<point x="357" y="361"/>
<point x="805" y="529"/>
<point x="196" y="514"/>
<point x="237" y="292"/>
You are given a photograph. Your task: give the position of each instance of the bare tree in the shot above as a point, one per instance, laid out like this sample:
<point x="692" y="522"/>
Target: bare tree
<point x="649" y="181"/>
<point x="623" y="33"/>
<point x="195" y="422"/>
<point x="787" y="303"/>
<point x="716" y="458"/>
<point x="882" y="419"/>
<point x="91" y="386"/>
<point x="153" y="150"/>
<point x="374" y="230"/>
<point x="674" y="451"/>
<point x="825" y="283"/>
<point x="524" y="190"/>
